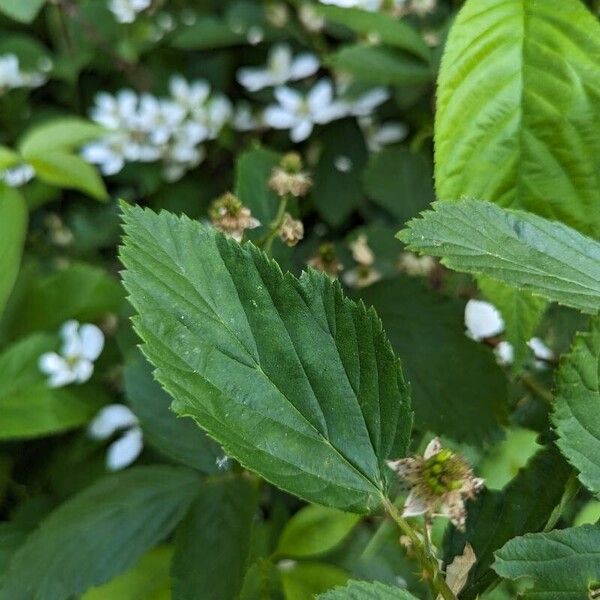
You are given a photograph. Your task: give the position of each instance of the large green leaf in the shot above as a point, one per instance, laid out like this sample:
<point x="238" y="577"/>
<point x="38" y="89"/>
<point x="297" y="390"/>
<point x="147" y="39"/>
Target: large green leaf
<point x="304" y="580"/>
<point x="465" y="399"/>
<point x="362" y="590"/>
<point x="175" y="437"/>
<point x="315" y="530"/>
<point x="385" y="27"/>
<point x="295" y="381"/>
<point x="562" y="564"/>
<point x="99" y="533"/>
<point x="213" y="542"/>
<point x="523" y="250"/>
<point x="577" y="406"/>
<point x="64" y="134"/>
<point x="525" y="504"/>
<point x="518" y="109"/>
<point x="13" y="228"/>
<point x="30" y="408"/>
<point x="381" y="66"/>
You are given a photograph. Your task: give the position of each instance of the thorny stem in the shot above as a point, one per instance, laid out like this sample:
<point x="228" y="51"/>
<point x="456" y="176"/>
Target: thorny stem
<point x="428" y="561"/>
<point x="267" y="242"/>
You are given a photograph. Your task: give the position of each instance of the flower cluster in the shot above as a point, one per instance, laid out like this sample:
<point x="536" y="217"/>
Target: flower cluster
<point x="125" y="11"/>
<point x="440" y="482"/>
<point x="12" y="77"/>
<point x="144" y="128"/>
<point x="484" y="323"/>
<point x="231" y="217"/>
<point x="82" y="345"/>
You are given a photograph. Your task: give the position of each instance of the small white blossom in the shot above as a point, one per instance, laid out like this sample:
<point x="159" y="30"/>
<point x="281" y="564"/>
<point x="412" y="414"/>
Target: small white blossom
<point x="365" y="104"/>
<point x="414" y="265"/>
<point x="244" y="119"/>
<point x="505" y="353"/>
<point x="126" y="448"/>
<point x="12" y="77"/>
<point x="82" y="345"/>
<point x="542" y="353"/>
<point x="281" y="68"/>
<point x="483" y="320"/>
<point x="300" y="113"/>
<point x="18" y="175"/>
<point x="378" y="136"/>
<point x="125" y="11"/>
<point x="370" y="5"/>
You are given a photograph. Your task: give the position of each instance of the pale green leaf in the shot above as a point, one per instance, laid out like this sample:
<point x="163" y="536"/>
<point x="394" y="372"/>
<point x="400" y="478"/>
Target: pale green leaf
<point x="386" y="28"/>
<point x="315" y="530"/>
<point x="175" y="437"/>
<point x="295" y="381"/>
<point x="562" y="564"/>
<point x="13" y="228"/>
<point x="29" y="407"/>
<point x="8" y="158"/>
<point x="458" y="389"/>
<point x="363" y="590"/>
<point x="577" y="406"/>
<point x="64" y="134"/>
<point x="380" y="66"/>
<point x="518" y="107"/>
<point x="213" y="541"/>
<point x="24" y="11"/>
<point x="69" y="171"/>
<point x="149" y="579"/>
<point x="303" y="581"/>
<point x="99" y="533"/>
<point x="521" y="312"/>
<point x="523" y="250"/>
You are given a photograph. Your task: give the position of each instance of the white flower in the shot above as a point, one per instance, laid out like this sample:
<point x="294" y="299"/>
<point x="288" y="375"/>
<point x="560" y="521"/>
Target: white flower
<point x="18" y="175"/>
<point x="301" y="113"/>
<point x="366" y="103"/>
<point x="414" y="265"/>
<point x="281" y="68"/>
<point x="505" y="353"/>
<point x="125" y="11"/>
<point x="370" y="5"/>
<point x="12" y="77"/>
<point x="542" y="353"/>
<point x="483" y="320"/>
<point x="190" y="96"/>
<point x="82" y="344"/>
<point x="123" y="451"/>
<point x="379" y="135"/>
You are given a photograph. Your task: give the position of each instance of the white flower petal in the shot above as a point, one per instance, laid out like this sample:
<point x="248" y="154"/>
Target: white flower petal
<point x="320" y="96"/>
<point x="540" y="350"/>
<point x="414" y="506"/>
<point x="290" y="99"/>
<point x="304" y="65"/>
<point x="50" y="362"/>
<point x="122" y="452"/>
<point x="368" y="102"/>
<point x="301" y="131"/>
<point x="92" y="341"/>
<point x="83" y="370"/>
<point x="434" y="447"/>
<point x="254" y="79"/>
<point x="505" y="353"/>
<point x="111" y="418"/>
<point x="71" y="340"/>
<point x="279" y="118"/>
<point x="61" y="378"/>
<point x="483" y="320"/>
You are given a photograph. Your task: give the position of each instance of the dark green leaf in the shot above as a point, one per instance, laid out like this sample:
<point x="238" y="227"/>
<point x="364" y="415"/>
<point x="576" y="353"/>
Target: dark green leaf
<point x="362" y="590"/>
<point x="297" y="382"/>
<point x="213" y="542"/>
<point x="577" y="406"/>
<point x="523" y="250"/>
<point x="563" y="564"/>
<point x="99" y="533"/>
<point x="21" y="10"/>
<point x="13" y="228"/>
<point x="466" y="397"/>
<point x="400" y="181"/>
<point x="526" y="504"/>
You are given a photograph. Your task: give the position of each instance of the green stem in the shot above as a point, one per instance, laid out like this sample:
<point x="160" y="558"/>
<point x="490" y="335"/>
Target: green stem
<point x="428" y="561"/>
<point x="267" y="242"/>
<point x="536" y="388"/>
